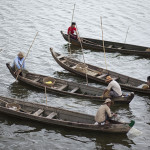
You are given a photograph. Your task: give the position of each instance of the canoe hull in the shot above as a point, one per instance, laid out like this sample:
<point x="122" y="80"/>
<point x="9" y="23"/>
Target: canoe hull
<point x="142" y="52"/>
<point x="55" y="91"/>
<point x="112" y="128"/>
<point x="100" y="80"/>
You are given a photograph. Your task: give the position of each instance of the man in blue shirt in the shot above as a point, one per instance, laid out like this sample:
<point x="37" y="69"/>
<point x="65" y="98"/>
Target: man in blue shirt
<point x="19" y="64"/>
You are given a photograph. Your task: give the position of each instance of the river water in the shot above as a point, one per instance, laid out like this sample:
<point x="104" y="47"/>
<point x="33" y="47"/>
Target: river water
<point x="19" y="22"/>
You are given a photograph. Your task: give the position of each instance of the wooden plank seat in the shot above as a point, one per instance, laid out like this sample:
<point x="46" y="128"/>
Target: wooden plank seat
<point x="73" y="67"/>
<point x="74" y="90"/>
<point x="63" y="61"/>
<point x="61" y="56"/>
<point x="102" y="76"/>
<point x="51" y="115"/>
<point x="38" y="112"/>
<point x="120" y="47"/>
<point x="62" y="87"/>
<point x="110" y="46"/>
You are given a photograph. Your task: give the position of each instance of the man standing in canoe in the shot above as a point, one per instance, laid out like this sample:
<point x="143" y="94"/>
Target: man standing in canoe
<point x="71" y="31"/>
<point x="113" y="88"/>
<point x="103" y="114"/>
<point x="19" y="64"/>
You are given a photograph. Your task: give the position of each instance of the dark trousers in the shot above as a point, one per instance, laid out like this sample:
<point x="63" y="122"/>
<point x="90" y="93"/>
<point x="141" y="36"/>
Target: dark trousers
<point x="73" y="36"/>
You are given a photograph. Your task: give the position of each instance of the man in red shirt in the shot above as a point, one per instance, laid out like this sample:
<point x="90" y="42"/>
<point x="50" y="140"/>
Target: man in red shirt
<point x="71" y="31"/>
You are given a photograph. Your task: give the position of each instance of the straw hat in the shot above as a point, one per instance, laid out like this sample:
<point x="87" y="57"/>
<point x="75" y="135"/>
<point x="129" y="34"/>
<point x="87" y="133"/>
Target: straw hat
<point x="145" y="87"/>
<point x="107" y="101"/>
<point x="20" y="54"/>
<point x="108" y="78"/>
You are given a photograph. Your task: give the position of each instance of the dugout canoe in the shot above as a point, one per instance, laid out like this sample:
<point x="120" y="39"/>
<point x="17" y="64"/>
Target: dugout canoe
<point x="57" y="116"/>
<point x="99" y="74"/>
<point x="67" y="87"/>
<point x="94" y="44"/>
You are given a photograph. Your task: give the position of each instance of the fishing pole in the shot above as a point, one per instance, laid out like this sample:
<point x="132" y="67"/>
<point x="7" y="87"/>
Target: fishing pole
<point x="103" y="43"/>
<point x="27" y="54"/>
<point x="71" y="24"/>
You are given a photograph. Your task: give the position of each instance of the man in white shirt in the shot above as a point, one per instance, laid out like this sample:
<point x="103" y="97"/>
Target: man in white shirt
<point x="113" y="88"/>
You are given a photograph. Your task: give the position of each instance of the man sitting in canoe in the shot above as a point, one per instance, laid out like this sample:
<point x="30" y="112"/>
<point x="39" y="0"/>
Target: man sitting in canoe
<point x="71" y="31"/>
<point x="103" y="114"/>
<point x="19" y="64"/>
<point x="113" y="89"/>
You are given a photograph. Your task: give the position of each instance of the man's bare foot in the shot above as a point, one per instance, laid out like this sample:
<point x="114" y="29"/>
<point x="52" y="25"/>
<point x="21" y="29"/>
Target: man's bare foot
<point x="107" y="122"/>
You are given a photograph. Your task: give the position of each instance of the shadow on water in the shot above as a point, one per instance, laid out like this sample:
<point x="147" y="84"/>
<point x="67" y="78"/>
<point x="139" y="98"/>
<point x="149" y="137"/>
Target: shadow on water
<point x="21" y="90"/>
<point x="74" y="49"/>
<point x="102" y="140"/>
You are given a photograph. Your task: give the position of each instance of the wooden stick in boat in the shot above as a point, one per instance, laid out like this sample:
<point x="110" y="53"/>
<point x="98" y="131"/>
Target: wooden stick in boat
<point x="83" y="55"/>
<point x="103" y="43"/>
<point x="71" y="24"/>
<point x="27" y="53"/>
<point x="126" y="35"/>
<point x="45" y="95"/>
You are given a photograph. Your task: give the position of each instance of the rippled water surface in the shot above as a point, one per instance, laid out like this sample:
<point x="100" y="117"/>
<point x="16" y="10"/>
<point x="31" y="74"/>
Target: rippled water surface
<point x="19" y="22"/>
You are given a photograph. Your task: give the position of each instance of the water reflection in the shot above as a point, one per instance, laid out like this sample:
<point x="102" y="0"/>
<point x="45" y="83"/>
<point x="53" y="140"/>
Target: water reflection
<point x="20" y="90"/>
<point x="74" y="49"/>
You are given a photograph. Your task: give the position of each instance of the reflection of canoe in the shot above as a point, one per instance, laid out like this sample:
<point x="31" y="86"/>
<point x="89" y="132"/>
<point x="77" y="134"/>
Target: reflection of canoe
<point x="94" y="44"/>
<point x="57" y="116"/>
<point x="99" y="74"/>
<point x="67" y="88"/>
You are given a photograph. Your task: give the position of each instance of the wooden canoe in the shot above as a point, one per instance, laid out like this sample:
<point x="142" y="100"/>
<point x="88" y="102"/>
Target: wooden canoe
<point x="99" y="74"/>
<point x="94" y="44"/>
<point x="57" y="116"/>
<point x="68" y="88"/>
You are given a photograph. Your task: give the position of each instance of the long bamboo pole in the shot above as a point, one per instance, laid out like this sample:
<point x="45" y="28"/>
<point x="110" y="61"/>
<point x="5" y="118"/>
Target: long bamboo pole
<point x="71" y="24"/>
<point x="45" y="95"/>
<point x="103" y="43"/>
<point x="27" y="54"/>
<point x="126" y="35"/>
<point x="82" y="54"/>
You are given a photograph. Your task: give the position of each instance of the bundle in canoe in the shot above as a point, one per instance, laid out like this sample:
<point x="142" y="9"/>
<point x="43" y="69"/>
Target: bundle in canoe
<point x="99" y="74"/>
<point x="64" y="87"/>
<point x="61" y="117"/>
<point x="123" y="48"/>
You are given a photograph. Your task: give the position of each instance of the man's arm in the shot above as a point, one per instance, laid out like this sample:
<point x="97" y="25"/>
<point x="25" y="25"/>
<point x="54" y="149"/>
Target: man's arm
<point x="16" y="63"/>
<point x="109" y="112"/>
<point x="77" y="33"/>
<point x="23" y="63"/>
<point x="69" y="32"/>
<point x="107" y="89"/>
